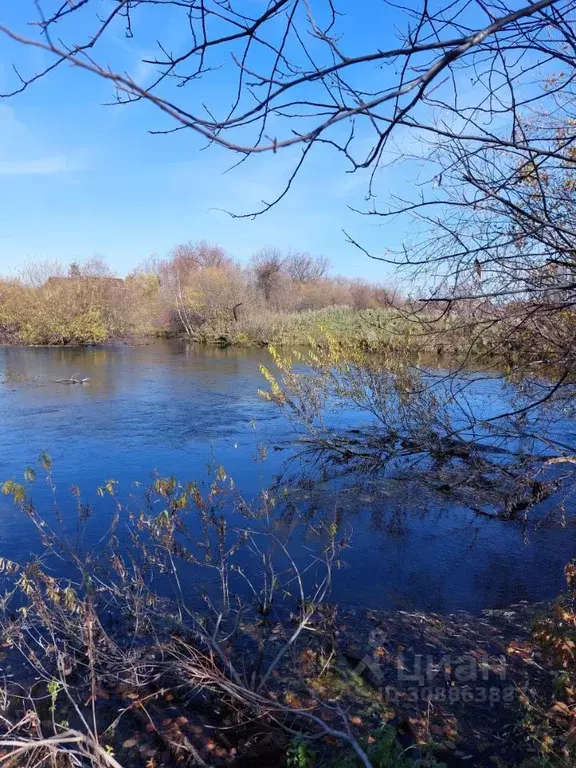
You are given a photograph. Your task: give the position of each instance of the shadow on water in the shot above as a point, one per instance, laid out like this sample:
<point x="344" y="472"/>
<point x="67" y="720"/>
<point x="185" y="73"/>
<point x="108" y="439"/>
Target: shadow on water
<point x="181" y="409"/>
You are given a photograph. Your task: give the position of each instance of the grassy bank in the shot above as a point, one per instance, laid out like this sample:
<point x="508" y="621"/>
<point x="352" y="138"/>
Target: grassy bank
<point x="371" y="328"/>
<point x="367" y="328"/>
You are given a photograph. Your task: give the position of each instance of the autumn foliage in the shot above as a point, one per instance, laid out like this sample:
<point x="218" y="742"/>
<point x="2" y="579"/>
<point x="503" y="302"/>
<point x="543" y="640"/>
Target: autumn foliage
<point x="555" y="633"/>
<point x="198" y="291"/>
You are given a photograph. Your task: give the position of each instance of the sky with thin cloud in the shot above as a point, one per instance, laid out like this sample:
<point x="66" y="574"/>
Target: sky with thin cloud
<point x="78" y="178"/>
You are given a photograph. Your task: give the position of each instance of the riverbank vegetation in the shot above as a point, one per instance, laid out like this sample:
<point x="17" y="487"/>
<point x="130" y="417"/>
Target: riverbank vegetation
<point x="199" y="292"/>
<point x="119" y="661"/>
<point x="287" y="300"/>
<point x="195" y="640"/>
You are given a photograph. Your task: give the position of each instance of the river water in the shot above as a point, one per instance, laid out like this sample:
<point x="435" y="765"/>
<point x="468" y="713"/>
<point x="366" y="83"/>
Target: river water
<point x="180" y="409"/>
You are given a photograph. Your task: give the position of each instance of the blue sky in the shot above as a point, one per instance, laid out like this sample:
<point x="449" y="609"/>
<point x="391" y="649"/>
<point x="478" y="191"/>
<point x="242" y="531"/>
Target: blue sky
<point x="78" y="178"/>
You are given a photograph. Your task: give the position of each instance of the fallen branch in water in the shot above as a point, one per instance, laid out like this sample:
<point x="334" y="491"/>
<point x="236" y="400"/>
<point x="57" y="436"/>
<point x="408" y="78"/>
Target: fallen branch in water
<point x="73" y="380"/>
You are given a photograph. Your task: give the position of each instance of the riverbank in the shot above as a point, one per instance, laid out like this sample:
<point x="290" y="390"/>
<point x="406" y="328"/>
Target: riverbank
<point x="462" y="684"/>
<point x="125" y="663"/>
<point x="383" y="330"/>
<point x="454" y="690"/>
<point x="371" y="328"/>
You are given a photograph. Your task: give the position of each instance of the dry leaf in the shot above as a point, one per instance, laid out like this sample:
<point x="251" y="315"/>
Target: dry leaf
<point x="355" y="720"/>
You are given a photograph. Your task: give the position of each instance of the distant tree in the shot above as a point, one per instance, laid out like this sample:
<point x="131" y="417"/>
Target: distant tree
<point x="220" y="294"/>
<point x="15" y="297"/>
<point x="145" y="314"/>
<point x="199" y="283"/>
<point x="305" y="268"/>
<point x="35" y="274"/>
<point x="200" y="254"/>
<point x="268" y="266"/>
<point x="96" y="267"/>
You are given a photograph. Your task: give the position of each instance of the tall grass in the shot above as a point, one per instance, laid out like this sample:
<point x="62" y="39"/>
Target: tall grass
<point x="370" y="328"/>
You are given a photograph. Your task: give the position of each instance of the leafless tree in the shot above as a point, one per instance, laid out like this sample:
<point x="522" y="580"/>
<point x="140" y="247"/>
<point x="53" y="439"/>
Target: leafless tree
<point x="481" y="93"/>
<point x="35" y="274"/>
<point x="201" y="254"/>
<point x="305" y="268"/>
<point x="464" y="71"/>
<point x="293" y="66"/>
<point x="268" y="268"/>
<point x="498" y="244"/>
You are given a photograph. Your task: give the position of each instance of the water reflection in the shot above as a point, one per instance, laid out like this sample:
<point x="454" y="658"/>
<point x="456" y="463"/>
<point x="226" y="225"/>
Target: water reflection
<point x="181" y="409"/>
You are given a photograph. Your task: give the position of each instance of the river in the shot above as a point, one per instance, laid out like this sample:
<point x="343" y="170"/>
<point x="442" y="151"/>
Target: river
<point x="180" y="409"/>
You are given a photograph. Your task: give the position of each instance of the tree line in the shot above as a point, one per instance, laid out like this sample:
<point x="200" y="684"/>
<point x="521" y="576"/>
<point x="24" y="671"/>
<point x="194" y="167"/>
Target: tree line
<point x="198" y="290"/>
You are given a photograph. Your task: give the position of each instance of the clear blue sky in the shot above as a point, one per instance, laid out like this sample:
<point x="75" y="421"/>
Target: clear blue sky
<point x="78" y="178"/>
